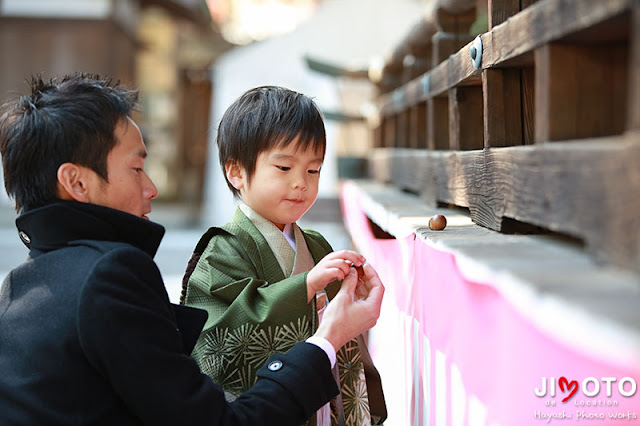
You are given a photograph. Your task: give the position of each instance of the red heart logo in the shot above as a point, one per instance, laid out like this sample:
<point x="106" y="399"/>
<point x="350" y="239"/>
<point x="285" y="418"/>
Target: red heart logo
<point x="569" y="384"/>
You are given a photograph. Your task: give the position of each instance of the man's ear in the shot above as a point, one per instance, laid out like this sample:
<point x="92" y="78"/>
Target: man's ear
<point x="235" y="174"/>
<point x="72" y="183"/>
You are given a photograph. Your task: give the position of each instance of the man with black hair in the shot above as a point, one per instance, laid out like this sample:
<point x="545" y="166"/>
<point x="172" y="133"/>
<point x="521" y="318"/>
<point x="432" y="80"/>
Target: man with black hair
<point x="87" y="333"/>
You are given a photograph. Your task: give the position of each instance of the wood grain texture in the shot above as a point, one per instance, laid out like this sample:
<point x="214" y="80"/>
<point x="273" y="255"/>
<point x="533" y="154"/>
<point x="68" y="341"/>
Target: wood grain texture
<point x="438" y="123"/>
<point x="584" y="189"/>
<point x="501" y="10"/>
<point x="502" y="107"/>
<point x="527" y="86"/>
<point x="466" y="127"/>
<point x="581" y="91"/>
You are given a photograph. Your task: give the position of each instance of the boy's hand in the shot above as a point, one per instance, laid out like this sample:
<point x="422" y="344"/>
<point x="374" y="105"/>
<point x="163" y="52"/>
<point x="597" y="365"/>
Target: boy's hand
<point x="334" y="266"/>
<point x="355" y="308"/>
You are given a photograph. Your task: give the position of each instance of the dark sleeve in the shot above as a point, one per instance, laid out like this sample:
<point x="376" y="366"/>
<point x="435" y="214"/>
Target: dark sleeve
<point x="128" y="332"/>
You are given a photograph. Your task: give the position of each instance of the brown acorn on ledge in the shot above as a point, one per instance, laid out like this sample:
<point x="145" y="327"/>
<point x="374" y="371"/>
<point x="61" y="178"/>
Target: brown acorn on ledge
<point x="437" y="222"/>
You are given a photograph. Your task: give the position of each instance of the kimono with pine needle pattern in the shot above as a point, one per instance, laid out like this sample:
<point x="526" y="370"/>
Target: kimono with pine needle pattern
<point x="255" y="310"/>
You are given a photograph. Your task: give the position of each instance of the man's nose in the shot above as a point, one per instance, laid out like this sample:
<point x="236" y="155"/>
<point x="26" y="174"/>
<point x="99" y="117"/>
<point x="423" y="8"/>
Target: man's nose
<point x="151" y="191"/>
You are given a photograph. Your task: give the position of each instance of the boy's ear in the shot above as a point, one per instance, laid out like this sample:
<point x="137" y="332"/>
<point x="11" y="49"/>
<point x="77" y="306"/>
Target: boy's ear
<point x="235" y="174"/>
<point x="73" y="182"/>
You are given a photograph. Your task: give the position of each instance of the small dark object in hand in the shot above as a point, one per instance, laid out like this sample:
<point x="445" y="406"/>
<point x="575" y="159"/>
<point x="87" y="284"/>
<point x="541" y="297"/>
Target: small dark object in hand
<point x="437" y="222"/>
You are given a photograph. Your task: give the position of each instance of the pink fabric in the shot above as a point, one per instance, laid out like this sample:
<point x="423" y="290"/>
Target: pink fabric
<point x="454" y="352"/>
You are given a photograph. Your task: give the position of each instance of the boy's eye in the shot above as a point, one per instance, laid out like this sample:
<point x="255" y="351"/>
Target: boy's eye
<point x="314" y="172"/>
<point x="284" y="168"/>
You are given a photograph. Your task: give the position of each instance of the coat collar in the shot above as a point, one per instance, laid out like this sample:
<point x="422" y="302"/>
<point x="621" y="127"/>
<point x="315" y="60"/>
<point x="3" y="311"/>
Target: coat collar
<point x="56" y="225"/>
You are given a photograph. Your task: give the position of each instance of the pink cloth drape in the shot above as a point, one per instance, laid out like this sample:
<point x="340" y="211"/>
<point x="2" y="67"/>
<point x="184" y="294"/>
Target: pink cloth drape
<point x="452" y="351"/>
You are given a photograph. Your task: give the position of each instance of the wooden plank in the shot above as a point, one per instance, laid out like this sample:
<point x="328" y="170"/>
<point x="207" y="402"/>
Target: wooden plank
<point x="502" y="107"/>
<point x="581" y="91"/>
<point x="554" y="186"/>
<point x="466" y="129"/>
<point x="438" y="123"/>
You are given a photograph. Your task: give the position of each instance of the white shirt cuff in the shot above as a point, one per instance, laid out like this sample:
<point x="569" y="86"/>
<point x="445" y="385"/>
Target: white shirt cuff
<point x="327" y="347"/>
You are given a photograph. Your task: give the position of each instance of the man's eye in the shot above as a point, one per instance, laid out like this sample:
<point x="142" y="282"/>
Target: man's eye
<point x="138" y="169"/>
<point x="284" y="168"/>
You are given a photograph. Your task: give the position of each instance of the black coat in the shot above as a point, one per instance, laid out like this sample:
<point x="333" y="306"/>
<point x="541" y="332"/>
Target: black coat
<point x="88" y="336"/>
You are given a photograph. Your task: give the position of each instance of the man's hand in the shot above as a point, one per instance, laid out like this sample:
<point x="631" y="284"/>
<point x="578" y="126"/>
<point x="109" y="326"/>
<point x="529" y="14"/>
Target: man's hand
<point x="355" y="309"/>
<point x="334" y="266"/>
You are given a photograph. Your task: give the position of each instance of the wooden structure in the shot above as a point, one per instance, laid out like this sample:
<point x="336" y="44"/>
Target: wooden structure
<point x="527" y="138"/>
<point x="545" y="131"/>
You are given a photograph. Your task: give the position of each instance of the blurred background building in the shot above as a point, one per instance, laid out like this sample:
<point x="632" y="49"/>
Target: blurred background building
<point x="192" y="58"/>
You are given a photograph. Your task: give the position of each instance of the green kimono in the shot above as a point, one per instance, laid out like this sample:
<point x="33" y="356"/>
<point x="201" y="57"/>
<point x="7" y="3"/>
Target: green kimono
<point x="254" y="311"/>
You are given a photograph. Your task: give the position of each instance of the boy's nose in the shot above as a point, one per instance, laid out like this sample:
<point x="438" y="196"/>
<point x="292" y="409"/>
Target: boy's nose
<point x="299" y="183"/>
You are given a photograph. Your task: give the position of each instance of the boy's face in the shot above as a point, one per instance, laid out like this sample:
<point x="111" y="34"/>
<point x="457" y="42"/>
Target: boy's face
<point x="284" y="185"/>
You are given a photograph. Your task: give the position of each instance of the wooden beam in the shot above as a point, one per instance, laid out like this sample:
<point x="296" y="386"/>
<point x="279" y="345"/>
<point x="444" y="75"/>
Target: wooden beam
<point x="554" y="186"/>
<point x="581" y="91"/>
<point x="466" y="129"/>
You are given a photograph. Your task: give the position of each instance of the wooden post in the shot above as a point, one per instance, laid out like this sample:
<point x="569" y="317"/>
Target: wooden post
<point x="377" y="136"/>
<point x="527" y="85"/>
<point x="438" y="123"/>
<point x="466" y="130"/>
<point x="500" y="10"/>
<point x="418" y="125"/>
<point x="402" y="129"/>
<point x="389" y="127"/>
<point x="581" y="90"/>
<point x="634" y="71"/>
<point x="502" y="107"/>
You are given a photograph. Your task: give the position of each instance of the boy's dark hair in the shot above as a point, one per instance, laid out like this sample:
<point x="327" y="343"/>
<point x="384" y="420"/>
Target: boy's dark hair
<point x="264" y="118"/>
<point x="68" y="120"/>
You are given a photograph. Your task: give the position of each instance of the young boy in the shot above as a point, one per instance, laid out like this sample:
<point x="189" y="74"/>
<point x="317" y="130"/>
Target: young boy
<point x="263" y="280"/>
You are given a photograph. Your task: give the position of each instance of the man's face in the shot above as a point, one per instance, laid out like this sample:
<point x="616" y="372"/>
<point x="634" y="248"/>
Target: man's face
<point x="129" y="188"/>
